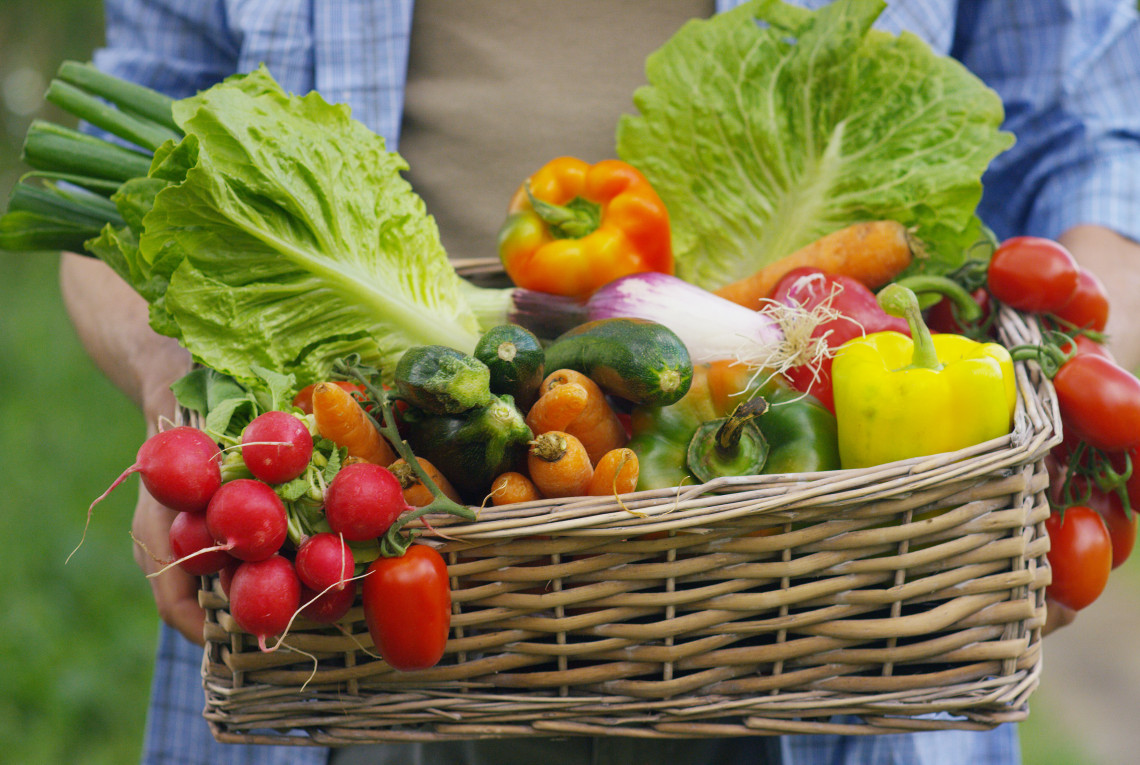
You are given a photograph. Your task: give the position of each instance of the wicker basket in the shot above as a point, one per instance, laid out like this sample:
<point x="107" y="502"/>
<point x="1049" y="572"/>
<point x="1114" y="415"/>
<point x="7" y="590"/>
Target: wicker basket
<point x="910" y="595"/>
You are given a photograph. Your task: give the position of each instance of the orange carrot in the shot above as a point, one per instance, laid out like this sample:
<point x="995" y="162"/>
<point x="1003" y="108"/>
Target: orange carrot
<point x="558" y="465"/>
<point x="511" y="487"/>
<point x="615" y="473"/>
<point x="598" y="426"/>
<point x="342" y="420"/>
<point x="873" y="252"/>
<point x="416" y="493"/>
<point x="557" y="408"/>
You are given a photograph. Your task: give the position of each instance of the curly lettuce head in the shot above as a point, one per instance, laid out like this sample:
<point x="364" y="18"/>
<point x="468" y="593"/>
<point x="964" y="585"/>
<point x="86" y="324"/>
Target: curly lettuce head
<point x="769" y="126"/>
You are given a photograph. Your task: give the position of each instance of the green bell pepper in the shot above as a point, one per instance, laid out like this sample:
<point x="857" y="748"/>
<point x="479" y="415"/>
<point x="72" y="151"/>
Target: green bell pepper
<point x="799" y="432"/>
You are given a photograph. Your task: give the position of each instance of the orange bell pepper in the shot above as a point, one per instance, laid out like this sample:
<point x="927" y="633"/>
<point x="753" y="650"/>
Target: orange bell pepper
<point x="572" y="227"/>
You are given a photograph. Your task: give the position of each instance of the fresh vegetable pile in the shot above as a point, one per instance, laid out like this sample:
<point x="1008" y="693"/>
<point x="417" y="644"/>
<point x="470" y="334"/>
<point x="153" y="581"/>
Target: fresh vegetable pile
<point x="661" y="331"/>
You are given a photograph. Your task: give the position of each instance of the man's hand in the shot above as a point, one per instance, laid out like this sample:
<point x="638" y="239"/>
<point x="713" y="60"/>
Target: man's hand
<point x="1116" y="261"/>
<point x="175" y="591"/>
<point x="1056" y="616"/>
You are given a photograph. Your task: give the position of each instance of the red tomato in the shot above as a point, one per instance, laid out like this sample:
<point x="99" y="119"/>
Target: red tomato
<point x="1085" y="344"/>
<point x="1132" y="486"/>
<point x="1080" y="555"/>
<point x="407" y="606"/>
<point x="1121" y="528"/>
<point x="1034" y="274"/>
<point x="1088" y="307"/>
<point x="1100" y="402"/>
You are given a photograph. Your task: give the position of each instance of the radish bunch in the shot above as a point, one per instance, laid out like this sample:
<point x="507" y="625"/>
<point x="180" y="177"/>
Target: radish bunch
<point x="240" y="527"/>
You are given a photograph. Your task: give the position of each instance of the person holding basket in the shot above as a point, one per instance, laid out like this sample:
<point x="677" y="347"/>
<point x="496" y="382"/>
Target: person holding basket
<point x="475" y="96"/>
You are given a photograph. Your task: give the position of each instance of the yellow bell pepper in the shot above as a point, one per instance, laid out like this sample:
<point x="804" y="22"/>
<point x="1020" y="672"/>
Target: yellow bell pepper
<point x="898" y="397"/>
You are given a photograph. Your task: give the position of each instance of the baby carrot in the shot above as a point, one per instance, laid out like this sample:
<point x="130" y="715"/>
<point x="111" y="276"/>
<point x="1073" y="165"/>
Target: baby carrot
<point x="342" y="420"/>
<point x="557" y="408"/>
<point x="558" y="465"/>
<point x="873" y="252"/>
<point x="597" y="426"/>
<point x="511" y="487"/>
<point x="615" y="473"/>
<point x="416" y="493"/>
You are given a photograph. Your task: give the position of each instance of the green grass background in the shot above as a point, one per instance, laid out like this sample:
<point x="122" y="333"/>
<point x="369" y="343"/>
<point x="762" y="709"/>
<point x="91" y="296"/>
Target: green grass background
<point x="78" y="638"/>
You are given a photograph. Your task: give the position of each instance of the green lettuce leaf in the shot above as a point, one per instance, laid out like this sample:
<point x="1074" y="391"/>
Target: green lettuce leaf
<point x="769" y="126"/>
<point x="282" y="236"/>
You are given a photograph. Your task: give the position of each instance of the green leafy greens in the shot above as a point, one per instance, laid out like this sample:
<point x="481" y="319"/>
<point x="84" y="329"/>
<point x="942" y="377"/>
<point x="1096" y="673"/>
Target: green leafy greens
<point x="279" y="233"/>
<point x="768" y="126"/>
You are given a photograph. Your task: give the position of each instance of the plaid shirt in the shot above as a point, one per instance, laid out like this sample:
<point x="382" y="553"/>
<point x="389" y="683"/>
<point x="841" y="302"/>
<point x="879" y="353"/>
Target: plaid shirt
<point x="1068" y="72"/>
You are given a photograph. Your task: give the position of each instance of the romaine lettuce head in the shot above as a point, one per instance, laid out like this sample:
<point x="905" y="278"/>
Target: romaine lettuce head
<point x="283" y="236"/>
<point x="769" y="126"/>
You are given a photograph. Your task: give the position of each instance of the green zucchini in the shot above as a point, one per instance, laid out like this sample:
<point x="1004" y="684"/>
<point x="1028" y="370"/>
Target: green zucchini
<point x="442" y="380"/>
<point x="473" y="447"/>
<point x="516" y="360"/>
<point x="635" y="359"/>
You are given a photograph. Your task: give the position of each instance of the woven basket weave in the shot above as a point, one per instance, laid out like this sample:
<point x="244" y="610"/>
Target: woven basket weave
<point x="746" y="606"/>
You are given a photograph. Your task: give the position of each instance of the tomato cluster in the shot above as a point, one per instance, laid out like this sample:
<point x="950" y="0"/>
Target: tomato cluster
<point x="1092" y="528"/>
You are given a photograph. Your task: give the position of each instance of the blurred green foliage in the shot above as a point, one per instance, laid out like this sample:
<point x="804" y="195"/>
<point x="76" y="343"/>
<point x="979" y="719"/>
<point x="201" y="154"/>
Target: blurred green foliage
<point x="77" y="639"/>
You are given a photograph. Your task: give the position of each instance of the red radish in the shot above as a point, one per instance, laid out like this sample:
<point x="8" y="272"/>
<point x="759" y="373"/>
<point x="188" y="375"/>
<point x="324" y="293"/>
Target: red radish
<point x="189" y="535"/>
<point x="363" y="500"/>
<point x="180" y="468"/>
<point x="276" y="447"/>
<point x="247" y="519"/>
<point x="264" y="596"/>
<point x="324" y="561"/>
<point x="226" y="575"/>
<point x="327" y="607"/>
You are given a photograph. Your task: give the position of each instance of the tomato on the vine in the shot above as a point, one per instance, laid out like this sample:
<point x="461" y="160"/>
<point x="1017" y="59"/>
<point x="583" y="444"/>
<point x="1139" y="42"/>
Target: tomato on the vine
<point x="1099" y="401"/>
<point x="943" y="316"/>
<point x="1085" y="344"/>
<point x="1132" y="484"/>
<point x="1121" y="524"/>
<point x="407" y="606"/>
<point x="1033" y="274"/>
<point x="1088" y="306"/>
<point x="1080" y="556"/>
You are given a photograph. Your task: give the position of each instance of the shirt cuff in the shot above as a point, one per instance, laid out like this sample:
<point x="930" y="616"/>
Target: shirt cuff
<point x="1104" y="191"/>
